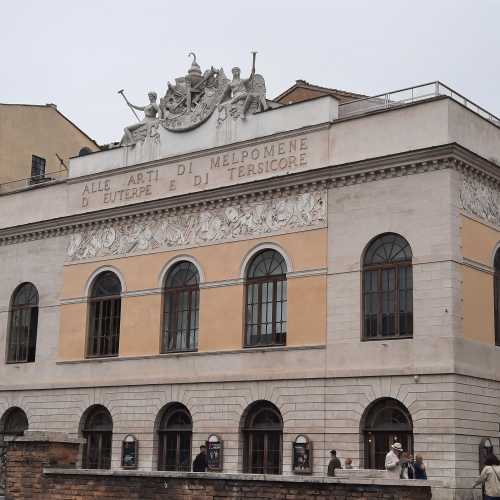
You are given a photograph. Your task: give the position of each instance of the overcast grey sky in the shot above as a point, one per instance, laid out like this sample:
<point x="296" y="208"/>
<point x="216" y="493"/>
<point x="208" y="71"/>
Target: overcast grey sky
<point x="79" y="53"/>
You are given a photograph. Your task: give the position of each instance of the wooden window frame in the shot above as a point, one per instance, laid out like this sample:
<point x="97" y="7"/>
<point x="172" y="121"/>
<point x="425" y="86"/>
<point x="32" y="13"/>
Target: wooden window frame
<point x="99" y="440"/>
<point x="23" y="329"/>
<point x="380" y="268"/>
<point x="372" y="429"/>
<point x="177" y="431"/>
<point x="104" y="319"/>
<point x="250" y="433"/>
<point x="277" y="338"/>
<point x="172" y="312"/>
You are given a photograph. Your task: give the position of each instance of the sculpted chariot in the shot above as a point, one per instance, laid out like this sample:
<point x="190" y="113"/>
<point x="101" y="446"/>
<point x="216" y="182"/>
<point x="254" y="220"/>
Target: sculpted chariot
<point x="193" y="98"/>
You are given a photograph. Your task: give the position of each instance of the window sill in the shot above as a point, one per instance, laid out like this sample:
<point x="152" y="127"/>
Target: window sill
<point x="18" y="362"/>
<point x="375" y="339"/>
<point x="194" y="353"/>
<point x="103" y="357"/>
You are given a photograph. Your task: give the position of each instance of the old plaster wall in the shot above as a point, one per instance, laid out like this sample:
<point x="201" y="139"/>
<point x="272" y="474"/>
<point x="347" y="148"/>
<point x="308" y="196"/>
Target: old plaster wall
<point x="36" y="130"/>
<point x="221" y="297"/>
<point x="479" y="243"/>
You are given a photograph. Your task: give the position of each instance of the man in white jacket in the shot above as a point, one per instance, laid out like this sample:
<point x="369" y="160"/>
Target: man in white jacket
<point x="392" y="463"/>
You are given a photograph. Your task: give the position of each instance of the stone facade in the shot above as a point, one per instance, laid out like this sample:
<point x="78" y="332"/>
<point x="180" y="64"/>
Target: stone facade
<point x="405" y="179"/>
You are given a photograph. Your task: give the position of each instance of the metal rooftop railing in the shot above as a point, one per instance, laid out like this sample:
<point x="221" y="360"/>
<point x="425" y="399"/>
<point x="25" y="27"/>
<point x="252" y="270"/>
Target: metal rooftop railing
<point x="47" y="178"/>
<point x="411" y="95"/>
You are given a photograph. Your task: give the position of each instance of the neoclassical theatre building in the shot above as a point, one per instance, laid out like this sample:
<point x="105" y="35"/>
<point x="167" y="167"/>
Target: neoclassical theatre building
<point x="278" y="278"/>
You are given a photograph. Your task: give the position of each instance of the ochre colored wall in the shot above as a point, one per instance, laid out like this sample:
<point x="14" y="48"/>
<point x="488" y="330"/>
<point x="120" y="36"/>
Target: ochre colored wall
<point x="140" y="325"/>
<point x="221" y="307"/>
<point x="72" y="336"/>
<point x="478" y="241"/>
<point x="221" y="318"/>
<point x="478" y="244"/>
<point x="36" y="130"/>
<point x="306" y="310"/>
<point x="478" y="306"/>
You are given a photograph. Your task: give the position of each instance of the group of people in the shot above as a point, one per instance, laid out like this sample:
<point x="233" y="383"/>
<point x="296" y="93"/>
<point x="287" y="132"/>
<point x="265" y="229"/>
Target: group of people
<point x="402" y="465"/>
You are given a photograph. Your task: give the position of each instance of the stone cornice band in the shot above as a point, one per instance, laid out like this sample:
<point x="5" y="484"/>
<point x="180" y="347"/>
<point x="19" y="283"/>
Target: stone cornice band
<point x="397" y="165"/>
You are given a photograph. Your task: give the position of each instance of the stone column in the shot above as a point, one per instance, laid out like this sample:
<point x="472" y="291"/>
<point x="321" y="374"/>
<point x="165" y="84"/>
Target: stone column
<point x="28" y="455"/>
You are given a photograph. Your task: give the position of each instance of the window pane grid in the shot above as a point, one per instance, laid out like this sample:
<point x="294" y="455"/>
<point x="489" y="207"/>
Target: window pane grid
<point x="105" y="327"/>
<point x="388" y="301"/>
<point x="21" y="345"/>
<point x="181" y="308"/>
<point x="266" y="311"/>
<point x="387" y="288"/>
<point x="181" y="322"/>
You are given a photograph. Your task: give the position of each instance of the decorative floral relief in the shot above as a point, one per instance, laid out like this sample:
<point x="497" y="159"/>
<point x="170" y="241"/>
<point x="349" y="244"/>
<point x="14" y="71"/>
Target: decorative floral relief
<point x="209" y="226"/>
<point x="480" y="199"/>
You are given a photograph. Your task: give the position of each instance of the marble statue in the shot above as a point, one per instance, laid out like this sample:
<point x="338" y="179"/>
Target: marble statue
<point x="191" y="100"/>
<point x="150" y="111"/>
<point x="248" y="92"/>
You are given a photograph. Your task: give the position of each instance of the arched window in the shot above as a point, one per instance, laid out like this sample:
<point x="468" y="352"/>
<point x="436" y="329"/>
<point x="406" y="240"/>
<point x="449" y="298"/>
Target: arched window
<point x="385" y="422"/>
<point x="180" y="308"/>
<point x="14" y="422"/>
<point x="174" y="438"/>
<point x="97" y="429"/>
<point x="23" y="324"/>
<point x="263" y="439"/>
<point x="104" y="315"/>
<point x="266" y="298"/>
<point x="387" y="288"/>
<point x="496" y="288"/>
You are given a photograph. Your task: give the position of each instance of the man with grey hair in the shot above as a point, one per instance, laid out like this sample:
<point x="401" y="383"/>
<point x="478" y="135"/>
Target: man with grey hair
<point x="392" y="461"/>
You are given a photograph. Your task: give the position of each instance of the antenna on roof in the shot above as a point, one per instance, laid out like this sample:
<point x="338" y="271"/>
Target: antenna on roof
<point x="61" y="161"/>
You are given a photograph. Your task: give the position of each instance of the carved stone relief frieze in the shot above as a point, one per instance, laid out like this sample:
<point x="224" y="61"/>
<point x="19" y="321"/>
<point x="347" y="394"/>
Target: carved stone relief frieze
<point x="229" y="223"/>
<point x="480" y="199"/>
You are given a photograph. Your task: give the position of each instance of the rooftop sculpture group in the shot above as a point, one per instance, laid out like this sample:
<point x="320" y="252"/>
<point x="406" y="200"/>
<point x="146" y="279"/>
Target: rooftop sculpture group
<point x="192" y="99"/>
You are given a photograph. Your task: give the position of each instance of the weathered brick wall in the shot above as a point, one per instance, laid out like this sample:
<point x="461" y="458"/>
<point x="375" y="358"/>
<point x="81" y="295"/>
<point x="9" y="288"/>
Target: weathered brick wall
<point x="62" y="487"/>
<point x="26" y="480"/>
<point x="24" y="477"/>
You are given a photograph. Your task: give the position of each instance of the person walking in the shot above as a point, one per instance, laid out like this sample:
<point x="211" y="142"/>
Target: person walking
<point x="334" y="463"/>
<point x="392" y="462"/>
<point x="490" y="477"/>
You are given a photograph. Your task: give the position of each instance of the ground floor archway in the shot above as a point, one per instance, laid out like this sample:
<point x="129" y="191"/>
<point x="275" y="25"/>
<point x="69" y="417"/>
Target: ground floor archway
<point x="386" y="421"/>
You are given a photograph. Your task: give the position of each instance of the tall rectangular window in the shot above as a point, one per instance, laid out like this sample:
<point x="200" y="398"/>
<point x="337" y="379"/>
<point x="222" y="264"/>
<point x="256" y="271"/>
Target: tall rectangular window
<point x="37" y="168"/>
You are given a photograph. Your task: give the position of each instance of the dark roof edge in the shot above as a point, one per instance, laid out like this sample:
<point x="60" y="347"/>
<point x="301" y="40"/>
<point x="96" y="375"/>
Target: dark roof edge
<point x="306" y="85"/>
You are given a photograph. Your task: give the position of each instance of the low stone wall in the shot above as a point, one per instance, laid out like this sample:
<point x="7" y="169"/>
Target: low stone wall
<point x="120" y="485"/>
<point x="43" y="467"/>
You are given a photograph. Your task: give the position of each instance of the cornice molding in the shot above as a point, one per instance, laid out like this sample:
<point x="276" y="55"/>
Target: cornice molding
<point x="398" y="165"/>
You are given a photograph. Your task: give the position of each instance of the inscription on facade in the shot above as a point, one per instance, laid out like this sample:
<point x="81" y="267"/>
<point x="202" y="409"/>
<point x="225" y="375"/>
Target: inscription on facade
<point x="241" y="165"/>
<point x="253" y="219"/>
